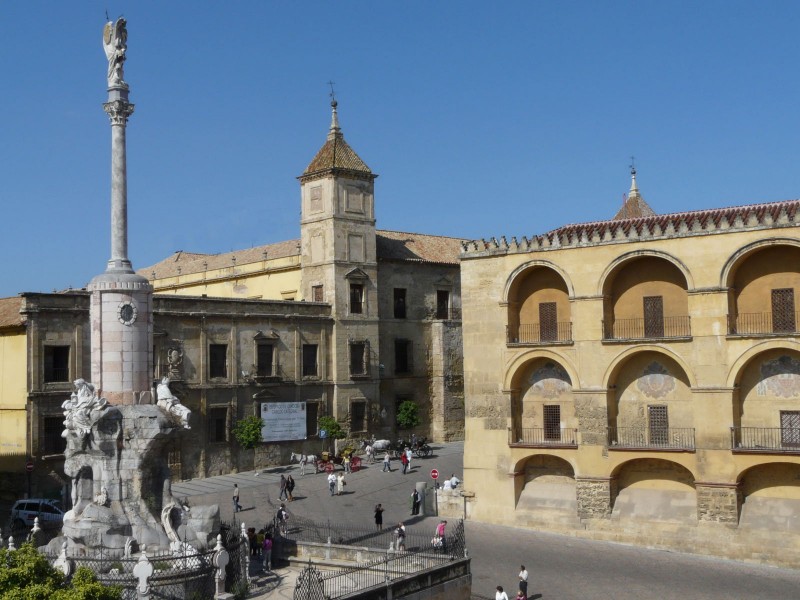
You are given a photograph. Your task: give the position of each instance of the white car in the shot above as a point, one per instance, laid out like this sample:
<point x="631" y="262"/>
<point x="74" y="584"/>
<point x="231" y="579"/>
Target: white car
<point x="50" y="513"/>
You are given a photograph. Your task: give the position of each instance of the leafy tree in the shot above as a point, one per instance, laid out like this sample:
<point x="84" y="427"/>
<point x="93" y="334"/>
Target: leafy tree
<point x="248" y="431"/>
<point x="332" y="426"/>
<point x="26" y="575"/>
<point x="408" y="414"/>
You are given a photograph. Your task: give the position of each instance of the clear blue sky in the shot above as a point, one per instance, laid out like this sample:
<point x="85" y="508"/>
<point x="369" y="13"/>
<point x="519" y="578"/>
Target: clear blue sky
<point x="481" y="118"/>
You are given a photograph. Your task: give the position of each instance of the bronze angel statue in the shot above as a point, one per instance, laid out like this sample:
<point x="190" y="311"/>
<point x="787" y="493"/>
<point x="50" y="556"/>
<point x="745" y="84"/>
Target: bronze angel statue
<point x="115" y="43"/>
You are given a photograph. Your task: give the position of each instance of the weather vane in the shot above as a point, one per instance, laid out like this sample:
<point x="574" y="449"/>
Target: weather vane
<point x="633" y="166"/>
<point x="333" y="93"/>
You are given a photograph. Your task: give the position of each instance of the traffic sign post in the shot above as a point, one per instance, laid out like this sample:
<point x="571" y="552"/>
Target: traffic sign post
<point x="434" y="474"/>
<point x="29" y="466"/>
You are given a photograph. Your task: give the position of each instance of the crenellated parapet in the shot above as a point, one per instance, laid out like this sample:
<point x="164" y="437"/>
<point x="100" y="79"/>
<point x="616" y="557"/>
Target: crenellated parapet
<point x="656" y="227"/>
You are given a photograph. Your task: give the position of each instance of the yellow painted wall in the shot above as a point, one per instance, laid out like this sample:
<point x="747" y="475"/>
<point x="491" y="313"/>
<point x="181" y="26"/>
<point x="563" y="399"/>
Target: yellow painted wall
<point x="13" y="393"/>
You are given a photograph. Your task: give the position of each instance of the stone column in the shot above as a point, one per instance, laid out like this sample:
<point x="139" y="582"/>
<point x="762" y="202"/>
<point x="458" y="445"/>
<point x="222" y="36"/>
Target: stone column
<point x="718" y="502"/>
<point x="595" y="496"/>
<point x="119" y="109"/>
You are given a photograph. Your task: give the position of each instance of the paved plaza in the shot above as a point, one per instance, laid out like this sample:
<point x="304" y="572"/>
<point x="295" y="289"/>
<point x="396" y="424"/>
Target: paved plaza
<point x="561" y="567"/>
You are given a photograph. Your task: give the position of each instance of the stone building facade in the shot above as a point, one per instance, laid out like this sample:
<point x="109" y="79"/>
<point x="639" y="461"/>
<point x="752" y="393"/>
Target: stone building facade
<point x="638" y="380"/>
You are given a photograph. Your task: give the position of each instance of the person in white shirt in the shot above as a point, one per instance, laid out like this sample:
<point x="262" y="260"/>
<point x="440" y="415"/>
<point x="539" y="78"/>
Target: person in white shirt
<point x="500" y="594"/>
<point x="448" y="485"/>
<point x="332" y="483"/>
<point x="523" y="580"/>
<point x="454" y="481"/>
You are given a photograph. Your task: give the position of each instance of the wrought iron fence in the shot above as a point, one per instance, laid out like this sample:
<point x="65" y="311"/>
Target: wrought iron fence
<point x="670" y="438"/>
<point x="558" y="438"/>
<point x="755" y="323"/>
<point x="766" y="439"/>
<point x="640" y="329"/>
<point x="538" y="333"/>
<point x="313" y="584"/>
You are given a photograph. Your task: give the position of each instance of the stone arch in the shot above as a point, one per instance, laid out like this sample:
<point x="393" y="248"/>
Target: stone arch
<point x="517" y="366"/>
<point x="546" y="487"/>
<point x="654" y="489"/>
<point x="515" y="275"/>
<point x="735" y="372"/>
<point x="770" y="494"/>
<point x="623" y="259"/>
<point x="729" y="268"/>
<point x="619" y="361"/>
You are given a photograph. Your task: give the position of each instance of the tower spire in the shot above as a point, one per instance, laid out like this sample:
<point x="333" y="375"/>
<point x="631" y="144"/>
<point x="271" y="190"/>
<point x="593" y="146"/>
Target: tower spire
<point x="634" y="188"/>
<point x="335" y="130"/>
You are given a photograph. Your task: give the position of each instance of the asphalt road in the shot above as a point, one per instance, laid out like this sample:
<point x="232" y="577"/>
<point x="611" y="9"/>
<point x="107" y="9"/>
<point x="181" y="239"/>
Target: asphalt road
<point x="560" y="567"/>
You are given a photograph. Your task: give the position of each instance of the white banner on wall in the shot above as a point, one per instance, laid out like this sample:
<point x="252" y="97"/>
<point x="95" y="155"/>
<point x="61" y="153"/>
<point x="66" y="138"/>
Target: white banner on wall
<point x="283" y="421"/>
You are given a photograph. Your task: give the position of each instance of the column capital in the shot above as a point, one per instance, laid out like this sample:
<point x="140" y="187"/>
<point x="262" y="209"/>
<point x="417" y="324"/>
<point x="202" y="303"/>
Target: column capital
<point x="118" y="111"/>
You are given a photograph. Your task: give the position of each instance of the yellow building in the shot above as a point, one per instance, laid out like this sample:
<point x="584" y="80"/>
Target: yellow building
<point x="13" y="387"/>
<point x="638" y="379"/>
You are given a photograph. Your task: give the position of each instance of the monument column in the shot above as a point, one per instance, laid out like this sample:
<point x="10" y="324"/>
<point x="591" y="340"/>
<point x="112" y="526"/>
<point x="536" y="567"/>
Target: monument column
<point x="122" y="301"/>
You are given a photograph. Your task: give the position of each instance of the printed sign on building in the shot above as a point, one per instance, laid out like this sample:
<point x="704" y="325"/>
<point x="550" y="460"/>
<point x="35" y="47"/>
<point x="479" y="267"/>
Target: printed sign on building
<point x="283" y="421"/>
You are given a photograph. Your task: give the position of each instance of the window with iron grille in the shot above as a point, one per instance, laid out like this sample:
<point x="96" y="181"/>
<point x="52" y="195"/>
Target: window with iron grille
<point x="442" y="304"/>
<point x="658" y="424"/>
<point x="309" y="360"/>
<point x="402" y="356"/>
<point x="653" y="316"/>
<point x="265" y="355"/>
<point x="51" y="441"/>
<point x="399" y="303"/>
<point x="358" y="358"/>
<point x="552" y="421"/>
<point x="217" y="361"/>
<point x="356" y="298"/>
<point x="316" y="293"/>
<point x="218" y="424"/>
<point x="358" y="415"/>
<point x="312" y="414"/>
<point x="548" y="321"/>
<point x="783" y="317"/>
<point x="56" y="364"/>
<point x="790" y="428"/>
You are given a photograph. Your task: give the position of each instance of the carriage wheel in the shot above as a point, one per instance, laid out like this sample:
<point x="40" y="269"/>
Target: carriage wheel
<point x="320" y="465"/>
<point x="329" y="467"/>
<point x="427" y="450"/>
<point x="355" y="463"/>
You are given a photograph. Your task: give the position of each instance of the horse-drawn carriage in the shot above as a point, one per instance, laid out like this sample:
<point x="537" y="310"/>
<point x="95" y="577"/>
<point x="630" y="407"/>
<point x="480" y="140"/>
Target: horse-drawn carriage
<point x="419" y="447"/>
<point x="327" y="461"/>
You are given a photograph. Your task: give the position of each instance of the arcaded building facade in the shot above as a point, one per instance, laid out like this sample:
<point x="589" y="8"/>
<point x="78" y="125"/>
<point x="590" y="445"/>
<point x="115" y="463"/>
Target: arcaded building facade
<point x="638" y="379"/>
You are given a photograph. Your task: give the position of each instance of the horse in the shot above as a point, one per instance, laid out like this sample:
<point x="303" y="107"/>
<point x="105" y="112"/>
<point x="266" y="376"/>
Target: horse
<point x="305" y="459"/>
<point x="376" y="444"/>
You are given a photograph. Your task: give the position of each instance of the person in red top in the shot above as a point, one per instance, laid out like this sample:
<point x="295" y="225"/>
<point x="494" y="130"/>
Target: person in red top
<point x="440" y="534"/>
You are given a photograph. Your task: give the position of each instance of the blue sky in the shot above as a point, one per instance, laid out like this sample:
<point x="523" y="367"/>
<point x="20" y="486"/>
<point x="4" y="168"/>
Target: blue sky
<point x="481" y="118"/>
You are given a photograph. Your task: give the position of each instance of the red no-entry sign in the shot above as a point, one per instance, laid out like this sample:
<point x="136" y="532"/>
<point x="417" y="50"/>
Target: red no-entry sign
<point x="29" y="466"/>
<point x="434" y="474"/>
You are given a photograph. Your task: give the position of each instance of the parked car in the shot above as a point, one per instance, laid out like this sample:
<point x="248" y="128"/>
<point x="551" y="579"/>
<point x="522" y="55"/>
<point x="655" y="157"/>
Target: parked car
<point x="50" y="513"/>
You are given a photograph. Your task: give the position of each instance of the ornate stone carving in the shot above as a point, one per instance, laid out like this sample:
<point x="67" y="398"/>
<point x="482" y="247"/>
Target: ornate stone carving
<point x="83" y="409"/>
<point x="118" y="111"/>
<point x="171" y="404"/>
<point x="115" y="44"/>
<point x="175" y="361"/>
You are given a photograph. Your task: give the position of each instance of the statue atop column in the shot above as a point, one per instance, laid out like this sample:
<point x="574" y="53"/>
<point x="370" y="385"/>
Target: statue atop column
<point x="115" y="43"/>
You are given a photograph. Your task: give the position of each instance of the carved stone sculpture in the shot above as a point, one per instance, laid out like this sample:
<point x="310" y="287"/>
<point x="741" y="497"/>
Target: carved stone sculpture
<point x="174" y="360"/>
<point x="115" y="44"/>
<point x="82" y="410"/>
<point x="171" y="404"/>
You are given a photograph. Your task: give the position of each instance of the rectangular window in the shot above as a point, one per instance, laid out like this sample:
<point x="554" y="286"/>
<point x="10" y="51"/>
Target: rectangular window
<point x="316" y="199"/>
<point x="218" y="361"/>
<point x="790" y="428"/>
<point x="653" y="316"/>
<point x="548" y="322"/>
<point x="402" y="356"/>
<point x="316" y="293"/>
<point x="358" y="415"/>
<point x="358" y="362"/>
<point x="309" y="360"/>
<point x="399" y="303"/>
<point x="218" y="424"/>
<point x="56" y="364"/>
<point x="442" y="304"/>
<point x="356" y="298"/>
<point x="312" y="414"/>
<point x="552" y="422"/>
<point x="265" y="355"/>
<point x="52" y="442"/>
<point x="783" y="317"/>
<point x="659" y="425"/>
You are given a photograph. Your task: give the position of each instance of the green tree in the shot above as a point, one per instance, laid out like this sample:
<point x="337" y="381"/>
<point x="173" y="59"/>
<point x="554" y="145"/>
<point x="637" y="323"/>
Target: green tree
<point x="332" y="426"/>
<point x="26" y="575"/>
<point x="408" y="414"/>
<point x="248" y="431"/>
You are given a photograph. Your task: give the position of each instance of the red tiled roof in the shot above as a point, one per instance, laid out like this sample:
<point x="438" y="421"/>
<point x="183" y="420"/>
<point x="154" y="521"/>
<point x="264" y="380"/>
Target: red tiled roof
<point x="336" y="154"/>
<point x="9" y="312"/>
<point x="400" y="246"/>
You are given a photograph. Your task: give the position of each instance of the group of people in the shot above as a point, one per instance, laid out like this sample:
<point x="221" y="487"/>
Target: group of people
<point x="287" y="488"/>
<point x="336" y="483"/>
<point x="522" y="594"/>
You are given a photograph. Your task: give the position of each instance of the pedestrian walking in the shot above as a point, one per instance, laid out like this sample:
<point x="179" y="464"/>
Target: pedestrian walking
<point x="500" y="594"/>
<point x="379" y="517"/>
<point x="415" y="502"/>
<point x="440" y="534"/>
<point x="267" y="552"/>
<point x="282" y="519"/>
<point x="290" y="487"/>
<point x="523" y="580"/>
<point x="408" y="458"/>
<point x="400" y="534"/>
<point x="252" y="539"/>
<point x="370" y="453"/>
<point x="236" y="506"/>
<point x="303" y="463"/>
<point x="283" y="493"/>
<point x="260" y="542"/>
<point x="404" y="462"/>
<point x="387" y="466"/>
<point x="346" y="461"/>
<point x="332" y="482"/>
<point x="340" y="483"/>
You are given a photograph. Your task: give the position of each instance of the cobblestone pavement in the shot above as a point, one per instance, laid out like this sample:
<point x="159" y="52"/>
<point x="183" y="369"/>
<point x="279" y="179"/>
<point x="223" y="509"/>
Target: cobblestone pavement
<point x="561" y="567"/>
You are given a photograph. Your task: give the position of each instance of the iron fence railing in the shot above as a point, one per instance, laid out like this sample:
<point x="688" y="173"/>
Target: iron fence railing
<point x="536" y="333"/>
<point x="667" y="438"/>
<point x="642" y="329"/>
<point x="563" y="437"/>
<point x="756" y="323"/>
<point x="313" y="584"/>
<point x="766" y="439"/>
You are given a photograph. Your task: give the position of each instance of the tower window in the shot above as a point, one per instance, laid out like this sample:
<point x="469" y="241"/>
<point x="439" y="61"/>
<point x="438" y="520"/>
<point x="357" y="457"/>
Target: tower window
<point x="218" y="361"/>
<point x="265" y="355"/>
<point x="442" y="304"/>
<point x="356" y="298"/>
<point x="358" y="415"/>
<point x="399" y="303"/>
<point x="402" y="356"/>
<point x="217" y="424"/>
<point x="316" y="294"/>
<point x="309" y="360"/>
<point x="56" y="364"/>
<point x="358" y="358"/>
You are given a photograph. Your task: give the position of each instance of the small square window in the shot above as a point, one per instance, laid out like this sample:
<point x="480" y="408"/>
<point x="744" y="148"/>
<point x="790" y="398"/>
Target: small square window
<point x="218" y="361"/>
<point x="316" y="293"/>
<point x="56" y="364"/>
<point x="356" y="298"/>
<point x="399" y="303"/>
<point x="309" y="360"/>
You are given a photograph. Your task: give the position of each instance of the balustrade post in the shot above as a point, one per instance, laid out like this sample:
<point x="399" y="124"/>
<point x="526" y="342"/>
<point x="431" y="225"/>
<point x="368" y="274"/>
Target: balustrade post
<point x="143" y="571"/>
<point x="220" y="560"/>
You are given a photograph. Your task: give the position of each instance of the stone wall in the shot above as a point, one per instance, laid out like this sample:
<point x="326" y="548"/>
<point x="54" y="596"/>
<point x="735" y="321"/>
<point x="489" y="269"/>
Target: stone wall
<point x="594" y="497"/>
<point x="718" y="504"/>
